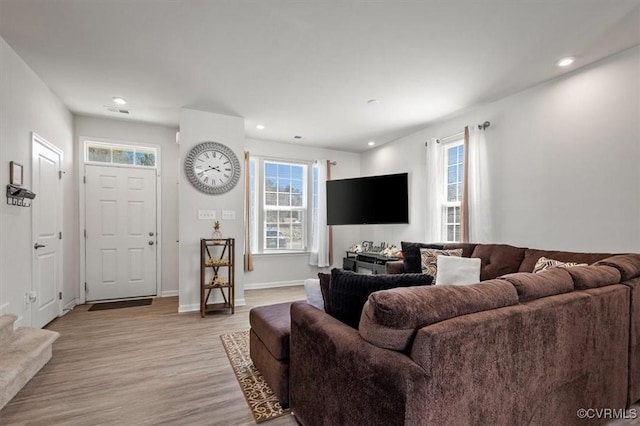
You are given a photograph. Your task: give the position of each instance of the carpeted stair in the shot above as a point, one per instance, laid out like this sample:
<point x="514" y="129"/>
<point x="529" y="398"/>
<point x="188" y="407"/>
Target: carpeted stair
<point x="23" y="353"/>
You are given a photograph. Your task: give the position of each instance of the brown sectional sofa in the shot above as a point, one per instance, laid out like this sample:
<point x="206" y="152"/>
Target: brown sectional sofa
<point x="517" y="348"/>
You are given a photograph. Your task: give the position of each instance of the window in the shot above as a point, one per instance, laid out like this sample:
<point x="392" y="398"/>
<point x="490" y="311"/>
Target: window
<point x="454" y="176"/>
<point x="118" y="155"/>
<point x="280" y="196"/>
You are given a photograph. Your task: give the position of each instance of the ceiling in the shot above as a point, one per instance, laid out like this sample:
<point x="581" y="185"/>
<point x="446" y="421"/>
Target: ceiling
<point x="308" y="68"/>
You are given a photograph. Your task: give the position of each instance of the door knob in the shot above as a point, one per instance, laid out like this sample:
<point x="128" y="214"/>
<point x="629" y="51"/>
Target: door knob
<point x="150" y="243"/>
<point x="151" y="234"/>
<point x="37" y="246"/>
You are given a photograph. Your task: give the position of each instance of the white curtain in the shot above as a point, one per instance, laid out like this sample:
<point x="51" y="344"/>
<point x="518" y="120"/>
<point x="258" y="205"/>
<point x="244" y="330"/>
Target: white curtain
<point x="434" y="191"/>
<point x="320" y="236"/>
<point x="480" y="229"/>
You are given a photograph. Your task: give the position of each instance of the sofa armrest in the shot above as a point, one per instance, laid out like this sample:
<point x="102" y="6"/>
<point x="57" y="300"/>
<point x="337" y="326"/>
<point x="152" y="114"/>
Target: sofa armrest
<point x="336" y="377"/>
<point x="395" y="267"/>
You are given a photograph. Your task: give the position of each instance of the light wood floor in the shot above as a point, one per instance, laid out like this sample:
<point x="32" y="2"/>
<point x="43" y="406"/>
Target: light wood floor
<point x="146" y="365"/>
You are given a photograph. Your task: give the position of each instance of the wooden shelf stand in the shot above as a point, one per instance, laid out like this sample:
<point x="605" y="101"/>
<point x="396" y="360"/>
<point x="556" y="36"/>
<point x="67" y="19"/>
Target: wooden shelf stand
<point x="217" y="260"/>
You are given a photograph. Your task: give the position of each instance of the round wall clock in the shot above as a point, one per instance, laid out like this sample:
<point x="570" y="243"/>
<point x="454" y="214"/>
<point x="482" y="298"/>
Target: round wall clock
<point x="212" y="168"/>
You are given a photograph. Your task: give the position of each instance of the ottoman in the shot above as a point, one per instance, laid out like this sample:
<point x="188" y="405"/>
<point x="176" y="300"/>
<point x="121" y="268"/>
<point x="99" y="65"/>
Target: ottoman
<point x="269" y="346"/>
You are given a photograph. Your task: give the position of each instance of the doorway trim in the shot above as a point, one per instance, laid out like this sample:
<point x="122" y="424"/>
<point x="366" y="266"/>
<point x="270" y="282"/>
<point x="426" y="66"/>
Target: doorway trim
<point x="37" y="139"/>
<point x="83" y="140"/>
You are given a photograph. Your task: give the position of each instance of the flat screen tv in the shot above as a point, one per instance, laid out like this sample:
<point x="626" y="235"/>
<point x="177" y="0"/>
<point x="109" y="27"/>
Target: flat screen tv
<point x="368" y="200"/>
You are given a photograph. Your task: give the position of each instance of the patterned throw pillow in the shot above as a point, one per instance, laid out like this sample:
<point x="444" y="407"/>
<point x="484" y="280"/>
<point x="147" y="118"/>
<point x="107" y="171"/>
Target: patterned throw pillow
<point x="543" y="264"/>
<point x="429" y="259"/>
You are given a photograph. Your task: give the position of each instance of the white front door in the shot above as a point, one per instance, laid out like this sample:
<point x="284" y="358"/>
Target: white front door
<point x="120" y="232"/>
<point x="46" y="211"/>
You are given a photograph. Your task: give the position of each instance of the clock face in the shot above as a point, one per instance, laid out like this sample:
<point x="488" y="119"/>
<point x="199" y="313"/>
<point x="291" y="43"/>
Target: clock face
<point x="212" y="168"/>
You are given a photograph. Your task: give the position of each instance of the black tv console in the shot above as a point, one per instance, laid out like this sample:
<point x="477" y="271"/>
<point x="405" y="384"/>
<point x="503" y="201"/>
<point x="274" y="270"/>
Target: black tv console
<point x="366" y="263"/>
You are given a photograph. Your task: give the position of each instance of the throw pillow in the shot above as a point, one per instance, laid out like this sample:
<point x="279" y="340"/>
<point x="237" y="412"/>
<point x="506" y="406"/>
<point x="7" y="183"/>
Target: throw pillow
<point x="411" y="255"/>
<point x="314" y="293"/>
<point x="543" y="264"/>
<point x="454" y="270"/>
<point x="429" y="259"/>
<point x="325" y="281"/>
<point x="349" y="291"/>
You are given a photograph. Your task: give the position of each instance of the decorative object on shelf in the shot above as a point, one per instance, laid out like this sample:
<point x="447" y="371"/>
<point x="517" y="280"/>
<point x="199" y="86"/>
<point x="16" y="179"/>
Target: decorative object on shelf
<point x="217" y="259"/>
<point x="216" y="230"/>
<point x="212" y="168"/>
<point x="17" y="196"/>
<point x="16" y="173"/>
<point x="368" y="247"/>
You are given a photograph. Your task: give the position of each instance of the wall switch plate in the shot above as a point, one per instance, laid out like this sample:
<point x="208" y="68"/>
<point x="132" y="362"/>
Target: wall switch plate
<point x="228" y="214"/>
<point x="206" y="215"/>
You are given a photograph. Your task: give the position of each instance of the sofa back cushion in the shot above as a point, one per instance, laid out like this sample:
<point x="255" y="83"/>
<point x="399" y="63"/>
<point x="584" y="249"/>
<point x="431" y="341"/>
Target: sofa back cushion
<point x="391" y="318"/>
<point x="411" y="253"/>
<point x="498" y="259"/>
<point x="627" y="264"/>
<point x="349" y="291"/>
<point x="546" y="283"/>
<point x="531" y="256"/>
<point x="593" y="276"/>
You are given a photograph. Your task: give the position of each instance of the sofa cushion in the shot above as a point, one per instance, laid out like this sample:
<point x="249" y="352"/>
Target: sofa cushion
<point x="498" y="259"/>
<point x="543" y="264"/>
<point x="532" y="286"/>
<point x="531" y="256"/>
<point x="272" y="324"/>
<point x="349" y="291"/>
<point x="453" y="270"/>
<point x="627" y="264"/>
<point x="391" y="318"/>
<point x="586" y="277"/>
<point x="411" y="253"/>
<point x="429" y="259"/>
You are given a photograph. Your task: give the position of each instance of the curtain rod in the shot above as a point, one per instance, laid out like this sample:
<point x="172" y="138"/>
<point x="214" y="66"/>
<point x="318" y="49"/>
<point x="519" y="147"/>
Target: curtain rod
<point x="333" y="163"/>
<point x="482" y="126"/>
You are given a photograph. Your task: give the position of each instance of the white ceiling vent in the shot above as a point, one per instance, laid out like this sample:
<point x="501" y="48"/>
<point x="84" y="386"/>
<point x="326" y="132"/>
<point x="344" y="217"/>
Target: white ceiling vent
<point x="117" y="110"/>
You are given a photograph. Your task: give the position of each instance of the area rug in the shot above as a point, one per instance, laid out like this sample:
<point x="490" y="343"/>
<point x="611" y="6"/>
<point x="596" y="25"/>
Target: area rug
<point x="121" y="304"/>
<point x="263" y="403"/>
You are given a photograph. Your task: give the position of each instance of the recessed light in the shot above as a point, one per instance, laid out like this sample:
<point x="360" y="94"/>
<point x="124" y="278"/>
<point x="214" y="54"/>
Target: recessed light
<point x="118" y="100"/>
<point x="373" y="101"/>
<point x="371" y="143"/>
<point x="260" y="127"/>
<point x="565" y="62"/>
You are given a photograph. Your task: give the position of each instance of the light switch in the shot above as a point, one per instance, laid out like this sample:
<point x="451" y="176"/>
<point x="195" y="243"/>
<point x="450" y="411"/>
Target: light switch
<point x="206" y="215"/>
<point x="228" y="214"/>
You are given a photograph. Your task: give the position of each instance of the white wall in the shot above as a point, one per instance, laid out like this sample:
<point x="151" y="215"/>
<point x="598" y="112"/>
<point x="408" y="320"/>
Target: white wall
<point x="27" y="105"/>
<point x="278" y="269"/>
<point x="196" y="127"/>
<point x="165" y="137"/>
<point x="564" y="161"/>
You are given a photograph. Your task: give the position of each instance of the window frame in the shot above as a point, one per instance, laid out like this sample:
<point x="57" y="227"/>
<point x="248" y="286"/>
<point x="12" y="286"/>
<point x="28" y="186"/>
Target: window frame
<point x="259" y="208"/>
<point x="454" y="142"/>
<point x="111" y="146"/>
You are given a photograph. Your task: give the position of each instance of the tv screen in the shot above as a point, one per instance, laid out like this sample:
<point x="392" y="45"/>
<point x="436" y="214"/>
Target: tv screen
<point x="368" y="200"/>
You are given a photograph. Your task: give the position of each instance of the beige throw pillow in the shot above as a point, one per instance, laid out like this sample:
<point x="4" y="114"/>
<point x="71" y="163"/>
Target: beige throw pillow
<point x="543" y="264"/>
<point x="429" y="259"/>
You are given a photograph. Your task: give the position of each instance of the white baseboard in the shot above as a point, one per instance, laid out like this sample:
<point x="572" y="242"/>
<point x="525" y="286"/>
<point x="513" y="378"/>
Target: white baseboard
<point x="274" y="284"/>
<point x="69" y="306"/>
<point x="189" y="308"/>
<point x="196" y="307"/>
<point x="169" y="293"/>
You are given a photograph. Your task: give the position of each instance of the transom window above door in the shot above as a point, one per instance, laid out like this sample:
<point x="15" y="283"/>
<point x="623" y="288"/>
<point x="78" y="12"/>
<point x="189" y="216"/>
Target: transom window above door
<point x="120" y="155"/>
